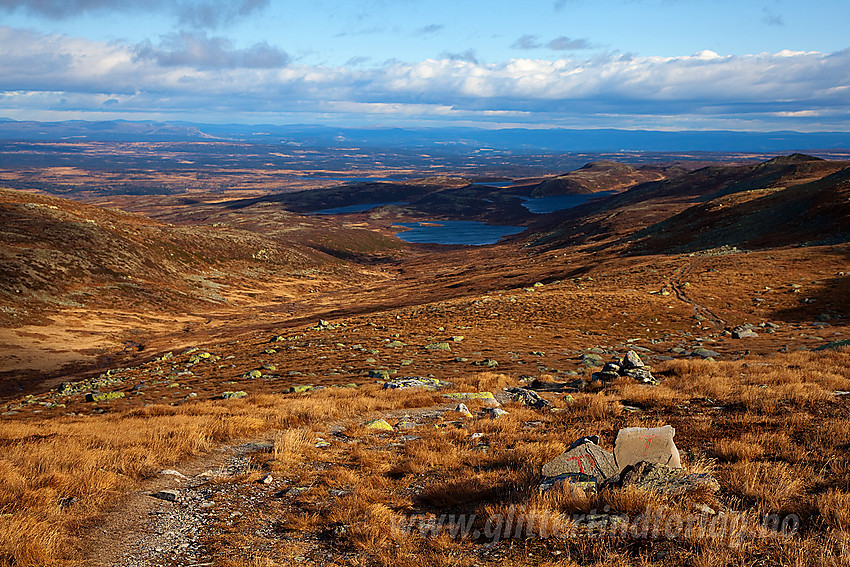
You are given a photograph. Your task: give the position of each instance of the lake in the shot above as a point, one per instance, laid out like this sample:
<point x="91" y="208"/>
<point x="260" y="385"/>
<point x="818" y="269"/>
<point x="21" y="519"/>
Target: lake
<point x="552" y="203"/>
<point x="470" y="233"/>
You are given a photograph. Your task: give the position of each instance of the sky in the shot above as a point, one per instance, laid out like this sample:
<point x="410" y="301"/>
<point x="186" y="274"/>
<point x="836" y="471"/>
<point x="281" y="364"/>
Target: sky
<point x="745" y="65"/>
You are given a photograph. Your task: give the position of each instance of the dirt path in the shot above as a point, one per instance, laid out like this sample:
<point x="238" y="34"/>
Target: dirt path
<point x="703" y="313"/>
<point x="146" y="531"/>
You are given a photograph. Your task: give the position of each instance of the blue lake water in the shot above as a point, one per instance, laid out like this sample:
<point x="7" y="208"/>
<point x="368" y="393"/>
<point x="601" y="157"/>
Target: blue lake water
<point x="552" y="203"/>
<point x="470" y="233"/>
<point x="354" y="208"/>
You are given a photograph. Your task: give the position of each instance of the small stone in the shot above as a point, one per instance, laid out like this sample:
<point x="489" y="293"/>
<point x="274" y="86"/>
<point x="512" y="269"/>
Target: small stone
<point x="379" y="424"/>
<point x="172" y="472"/>
<point x="167" y="495"/>
<point x="497" y="413"/>
<point x="266" y="479"/>
<point x="234" y="395"/>
<point x="463" y="410"/>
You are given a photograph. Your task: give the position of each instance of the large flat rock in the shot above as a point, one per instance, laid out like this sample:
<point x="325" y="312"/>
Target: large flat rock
<point x="655" y="445"/>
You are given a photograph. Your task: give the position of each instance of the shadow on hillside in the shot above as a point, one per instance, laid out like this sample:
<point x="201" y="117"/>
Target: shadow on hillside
<point x="830" y="298"/>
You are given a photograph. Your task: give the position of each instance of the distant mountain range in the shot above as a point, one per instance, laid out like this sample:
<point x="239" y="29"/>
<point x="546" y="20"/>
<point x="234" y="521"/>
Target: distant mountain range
<point x="446" y="140"/>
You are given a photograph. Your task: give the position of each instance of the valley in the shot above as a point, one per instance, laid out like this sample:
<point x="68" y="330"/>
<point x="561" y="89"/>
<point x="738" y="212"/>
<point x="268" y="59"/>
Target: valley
<point x="201" y="318"/>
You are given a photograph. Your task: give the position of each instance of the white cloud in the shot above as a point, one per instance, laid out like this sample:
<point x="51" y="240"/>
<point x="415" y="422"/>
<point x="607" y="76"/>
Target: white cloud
<point x="189" y="72"/>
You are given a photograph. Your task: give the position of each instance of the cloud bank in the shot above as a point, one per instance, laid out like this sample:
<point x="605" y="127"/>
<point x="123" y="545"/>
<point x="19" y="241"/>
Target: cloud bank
<point x="188" y="72"/>
<point x="194" y="13"/>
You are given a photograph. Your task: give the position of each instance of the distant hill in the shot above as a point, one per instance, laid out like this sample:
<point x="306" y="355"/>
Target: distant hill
<point x="446" y="140"/>
<point x="817" y="212"/>
<point x="788" y="200"/>
<point x="594" y="177"/>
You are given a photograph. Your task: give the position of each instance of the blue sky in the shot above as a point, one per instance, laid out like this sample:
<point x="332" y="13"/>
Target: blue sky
<point x="649" y="64"/>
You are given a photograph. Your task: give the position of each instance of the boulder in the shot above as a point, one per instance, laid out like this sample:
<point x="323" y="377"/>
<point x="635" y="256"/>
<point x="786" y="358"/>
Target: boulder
<point x="591" y="359"/>
<point x="704" y="353"/>
<point x="582" y="440"/>
<point x="632" y="360"/>
<point x="654" y="445"/>
<point x="663" y="479"/>
<point x="588" y="458"/>
<point x="744" y="332"/>
<point x="528" y="397"/>
<point x="642" y="375"/>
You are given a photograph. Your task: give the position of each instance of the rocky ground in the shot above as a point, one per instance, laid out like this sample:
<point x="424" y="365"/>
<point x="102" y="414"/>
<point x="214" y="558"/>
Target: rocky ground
<point x="432" y="406"/>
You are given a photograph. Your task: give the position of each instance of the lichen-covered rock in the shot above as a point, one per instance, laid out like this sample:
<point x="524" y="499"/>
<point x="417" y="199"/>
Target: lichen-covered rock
<point x="416" y="382"/>
<point x="463" y="410"/>
<point x="302" y="388"/>
<point x="379" y="374"/>
<point x="103" y="397"/>
<point x="527" y="397"/>
<point x="632" y="360"/>
<point x="233" y="395"/>
<point x="438" y="346"/>
<point x="579" y="480"/>
<point x="660" y="478"/>
<point x="379" y="424"/>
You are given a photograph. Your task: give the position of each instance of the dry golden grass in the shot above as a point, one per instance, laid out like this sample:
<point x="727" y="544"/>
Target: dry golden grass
<point x="770" y="485"/>
<point x="834" y="508"/>
<point x="738" y="450"/>
<point x="781" y="445"/>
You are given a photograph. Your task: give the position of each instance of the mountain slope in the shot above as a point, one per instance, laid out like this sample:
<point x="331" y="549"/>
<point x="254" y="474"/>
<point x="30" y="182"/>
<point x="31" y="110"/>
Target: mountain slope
<point x="594" y="177"/>
<point x="817" y="212"/>
<point x="680" y="206"/>
<point x="55" y="252"/>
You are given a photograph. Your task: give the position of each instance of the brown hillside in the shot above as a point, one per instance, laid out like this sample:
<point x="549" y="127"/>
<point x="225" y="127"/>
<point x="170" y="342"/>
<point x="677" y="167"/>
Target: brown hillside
<point x="810" y="213"/>
<point x="648" y="204"/>
<point x="597" y="176"/>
